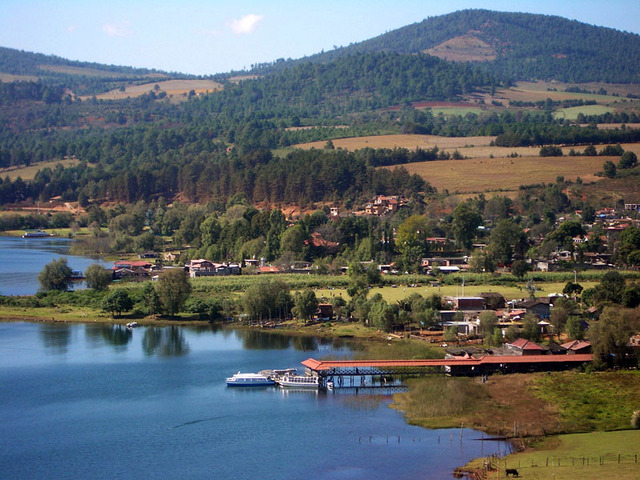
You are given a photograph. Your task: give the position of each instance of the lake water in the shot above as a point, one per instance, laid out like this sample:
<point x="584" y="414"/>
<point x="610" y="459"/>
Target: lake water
<point x="22" y="259"/>
<point x="99" y="401"/>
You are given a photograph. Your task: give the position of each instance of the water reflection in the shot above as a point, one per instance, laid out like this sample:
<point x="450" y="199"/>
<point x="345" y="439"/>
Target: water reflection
<point x="56" y="337"/>
<point x="164" y="342"/>
<point x="257" y="340"/>
<point x="118" y="336"/>
<point x="305" y="344"/>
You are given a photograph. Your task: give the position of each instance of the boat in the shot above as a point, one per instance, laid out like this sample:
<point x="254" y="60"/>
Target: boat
<point x="249" y="380"/>
<point x="76" y="275"/>
<point x="299" y="381"/>
<point x="36" y="234"/>
<point x="132" y="325"/>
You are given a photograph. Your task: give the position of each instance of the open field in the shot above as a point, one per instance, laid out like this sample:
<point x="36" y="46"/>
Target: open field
<point x="573" y="112"/>
<point x="171" y="87"/>
<point x="410" y="142"/>
<point x="9" y="77"/>
<point x="97" y="72"/>
<point x="588" y="456"/>
<point x="505" y="174"/>
<point x="392" y="295"/>
<point x="535" y="91"/>
<point x="29" y="173"/>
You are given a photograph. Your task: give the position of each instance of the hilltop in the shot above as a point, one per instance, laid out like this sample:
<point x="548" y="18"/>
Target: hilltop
<point x="519" y="46"/>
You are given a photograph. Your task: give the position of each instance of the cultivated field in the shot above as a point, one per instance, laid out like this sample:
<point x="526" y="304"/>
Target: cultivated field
<point x="29" y="173"/>
<point x="411" y="142"/>
<point x="573" y="112"/>
<point x="97" y="72"/>
<point x="394" y="294"/>
<point x="8" y="77"/>
<point x="173" y="88"/>
<point x="505" y="174"/>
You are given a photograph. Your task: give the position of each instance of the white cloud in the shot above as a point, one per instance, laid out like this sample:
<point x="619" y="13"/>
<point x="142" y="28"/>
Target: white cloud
<point x="121" y="29"/>
<point x="246" y="24"/>
<point x="72" y="28"/>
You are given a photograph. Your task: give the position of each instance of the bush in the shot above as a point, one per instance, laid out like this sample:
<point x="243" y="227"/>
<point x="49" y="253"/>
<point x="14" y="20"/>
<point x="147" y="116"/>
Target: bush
<point x="635" y="419"/>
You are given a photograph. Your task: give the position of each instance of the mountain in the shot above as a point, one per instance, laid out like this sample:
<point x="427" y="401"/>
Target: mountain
<point x="520" y="46"/>
<point x="84" y="78"/>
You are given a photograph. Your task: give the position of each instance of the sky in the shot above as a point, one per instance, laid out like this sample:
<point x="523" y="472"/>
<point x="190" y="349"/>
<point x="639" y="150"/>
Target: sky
<point x="204" y="37"/>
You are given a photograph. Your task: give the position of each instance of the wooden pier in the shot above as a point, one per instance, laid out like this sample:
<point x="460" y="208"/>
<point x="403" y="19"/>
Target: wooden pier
<point x="384" y="373"/>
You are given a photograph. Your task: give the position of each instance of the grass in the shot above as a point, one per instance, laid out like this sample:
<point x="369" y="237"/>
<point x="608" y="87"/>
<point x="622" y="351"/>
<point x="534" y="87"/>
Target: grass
<point x="573" y="112"/>
<point x="392" y="295"/>
<point x="29" y="173"/>
<point x="491" y="174"/>
<point x="592" y="456"/>
<point x="598" y="401"/>
<point x="400" y="141"/>
<point x="170" y="87"/>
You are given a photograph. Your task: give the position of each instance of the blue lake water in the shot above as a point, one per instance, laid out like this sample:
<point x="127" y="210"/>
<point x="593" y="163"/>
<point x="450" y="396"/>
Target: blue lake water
<point x="22" y="259"/>
<point x="101" y="402"/>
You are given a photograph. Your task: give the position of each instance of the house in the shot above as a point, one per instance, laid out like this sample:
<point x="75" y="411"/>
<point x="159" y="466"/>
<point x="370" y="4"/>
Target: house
<point x="540" y="307"/>
<point x="129" y="269"/>
<point x="464" y="328"/>
<point x="207" y="268"/>
<point x="522" y="346"/>
<point x="468" y="303"/>
<point x="267" y="269"/>
<point x="325" y="311"/>
<point x="577" y="347"/>
<point x="493" y="300"/>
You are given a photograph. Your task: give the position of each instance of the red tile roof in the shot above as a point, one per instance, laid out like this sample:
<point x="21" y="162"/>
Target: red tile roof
<point x="525" y="344"/>
<point x="319" y="365"/>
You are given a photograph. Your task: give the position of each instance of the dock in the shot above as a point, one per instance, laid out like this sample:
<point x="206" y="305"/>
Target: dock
<point x="385" y="373"/>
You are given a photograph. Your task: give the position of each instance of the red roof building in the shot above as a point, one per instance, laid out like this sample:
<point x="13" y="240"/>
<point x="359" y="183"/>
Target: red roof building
<point x="522" y="346"/>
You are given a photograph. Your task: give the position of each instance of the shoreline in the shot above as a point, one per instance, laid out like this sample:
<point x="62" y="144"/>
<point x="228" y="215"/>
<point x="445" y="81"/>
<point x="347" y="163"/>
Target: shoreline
<point x="528" y="443"/>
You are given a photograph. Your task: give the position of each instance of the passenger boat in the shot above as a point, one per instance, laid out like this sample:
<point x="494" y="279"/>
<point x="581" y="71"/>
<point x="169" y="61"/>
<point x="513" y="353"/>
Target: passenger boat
<point x="299" y="381"/>
<point x="249" y="380"/>
<point x="36" y="234"/>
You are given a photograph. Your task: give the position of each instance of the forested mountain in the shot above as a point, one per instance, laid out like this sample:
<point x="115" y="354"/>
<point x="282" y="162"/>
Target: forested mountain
<point x="209" y="147"/>
<point x="518" y="46"/>
<point x="81" y="77"/>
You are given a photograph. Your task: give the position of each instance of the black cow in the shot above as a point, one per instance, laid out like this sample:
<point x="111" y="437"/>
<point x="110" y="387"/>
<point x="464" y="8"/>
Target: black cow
<point x="512" y="471"/>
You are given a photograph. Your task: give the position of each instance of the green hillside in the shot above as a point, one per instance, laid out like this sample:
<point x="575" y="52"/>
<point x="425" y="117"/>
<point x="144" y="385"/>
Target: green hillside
<point x="519" y="46"/>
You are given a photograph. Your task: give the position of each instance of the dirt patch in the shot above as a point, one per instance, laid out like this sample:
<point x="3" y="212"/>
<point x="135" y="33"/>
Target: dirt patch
<point x="465" y="48"/>
<point x="513" y="409"/>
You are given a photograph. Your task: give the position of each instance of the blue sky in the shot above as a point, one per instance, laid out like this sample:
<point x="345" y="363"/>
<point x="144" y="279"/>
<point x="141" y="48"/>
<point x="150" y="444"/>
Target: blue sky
<point x="210" y="36"/>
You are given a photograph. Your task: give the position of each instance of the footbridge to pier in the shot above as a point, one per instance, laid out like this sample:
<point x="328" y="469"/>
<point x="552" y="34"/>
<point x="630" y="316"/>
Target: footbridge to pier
<point x="360" y="373"/>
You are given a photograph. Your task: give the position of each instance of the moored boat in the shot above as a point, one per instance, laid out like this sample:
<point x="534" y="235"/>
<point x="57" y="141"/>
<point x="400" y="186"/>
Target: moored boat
<point x="36" y="234"/>
<point x="299" y="381"/>
<point x="249" y="380"/>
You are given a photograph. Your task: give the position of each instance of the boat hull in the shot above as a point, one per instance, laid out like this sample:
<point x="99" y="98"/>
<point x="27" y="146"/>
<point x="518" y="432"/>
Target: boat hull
<point x="310" y="383"/>
<point x="249" y="380"/>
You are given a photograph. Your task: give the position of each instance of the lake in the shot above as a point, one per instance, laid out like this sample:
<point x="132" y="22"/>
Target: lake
<point x="101" y="401"/>
<point x="24" y="258"/>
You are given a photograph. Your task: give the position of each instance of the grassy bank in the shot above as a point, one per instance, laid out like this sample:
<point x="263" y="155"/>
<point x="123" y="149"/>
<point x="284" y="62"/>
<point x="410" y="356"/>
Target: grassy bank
<point x="525" y="405"/>
<point x="590" y="456"/>
<point x="534" y="410"/>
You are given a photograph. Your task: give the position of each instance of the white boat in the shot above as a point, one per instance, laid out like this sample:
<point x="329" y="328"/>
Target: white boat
<point x="132" y="325"/>
<point x="36" y="234"/>
<point x="249" y="380"/>
<point x="299" y="381"/>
